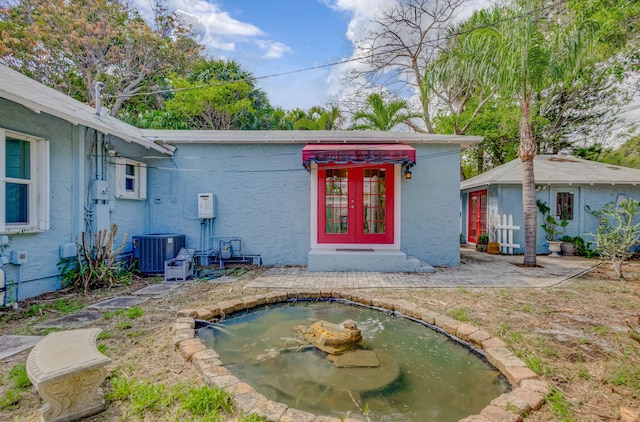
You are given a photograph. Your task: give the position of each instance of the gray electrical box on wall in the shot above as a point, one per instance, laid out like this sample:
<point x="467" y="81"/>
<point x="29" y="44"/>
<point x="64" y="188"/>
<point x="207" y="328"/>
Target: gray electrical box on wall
<point x="206" y="205"/>
<point x="100" y="190"/>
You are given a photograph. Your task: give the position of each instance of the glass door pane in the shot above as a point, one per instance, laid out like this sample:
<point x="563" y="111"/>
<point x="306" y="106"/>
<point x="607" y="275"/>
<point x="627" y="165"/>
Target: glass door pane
<point x="473" y="226"/>
<point x="337" y="201"/>
<point x="374" y="201"/>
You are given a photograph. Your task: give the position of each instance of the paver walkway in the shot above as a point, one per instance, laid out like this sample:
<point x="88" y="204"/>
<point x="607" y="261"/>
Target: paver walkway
<point x="476" y="270"/>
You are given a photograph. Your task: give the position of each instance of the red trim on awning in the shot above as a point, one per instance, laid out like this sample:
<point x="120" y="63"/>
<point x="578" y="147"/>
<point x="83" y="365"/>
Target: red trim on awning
<point x="358" y="154"/>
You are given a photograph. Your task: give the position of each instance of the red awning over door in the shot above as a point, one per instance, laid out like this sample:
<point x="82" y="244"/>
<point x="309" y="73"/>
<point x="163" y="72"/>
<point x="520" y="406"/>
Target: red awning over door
<point x="358" y="154"/>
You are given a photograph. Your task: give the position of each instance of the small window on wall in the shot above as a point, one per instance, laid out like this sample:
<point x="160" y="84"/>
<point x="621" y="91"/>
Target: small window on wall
<point x="564" y="204"/>
<point x="24" y="182"/>
<point x="131" y="179"/>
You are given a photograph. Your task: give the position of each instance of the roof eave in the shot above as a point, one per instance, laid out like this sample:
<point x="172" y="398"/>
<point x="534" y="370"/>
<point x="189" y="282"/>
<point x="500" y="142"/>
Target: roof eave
<point x="303" y="137"/>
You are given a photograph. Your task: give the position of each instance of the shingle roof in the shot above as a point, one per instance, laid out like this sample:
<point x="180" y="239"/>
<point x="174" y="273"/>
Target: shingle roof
<point x="23" y="90"/>
<point x="557" y="170"/>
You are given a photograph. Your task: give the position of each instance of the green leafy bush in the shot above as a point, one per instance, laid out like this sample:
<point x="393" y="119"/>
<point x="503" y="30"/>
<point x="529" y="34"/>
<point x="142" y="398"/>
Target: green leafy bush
<point x="617" y="234"/>
<point x="483" y="239"/>
<point x="551" y="226"/>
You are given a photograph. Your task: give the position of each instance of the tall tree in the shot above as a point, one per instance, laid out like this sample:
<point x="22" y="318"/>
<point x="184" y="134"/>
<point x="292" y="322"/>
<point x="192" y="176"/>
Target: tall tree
<point x="71" y="45"/>
<point x="216" y="94"/>
<point x="533" y="52"/>
<point x="627" y="154"/>
<point x="585" y="108"/>
<point x="401" y="44"/>
<point x="381" y="114"/>
<point x="454" y="78"/>
<point x="319" y="118"/>
<point x="217" y="105"/>
<point x="219" y="71"/>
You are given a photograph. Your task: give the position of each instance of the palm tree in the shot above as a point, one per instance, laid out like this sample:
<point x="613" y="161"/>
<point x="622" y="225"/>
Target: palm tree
<point x="319" y="118"/>
<point x="381" y="115"/>
<point x="532" y="52"/>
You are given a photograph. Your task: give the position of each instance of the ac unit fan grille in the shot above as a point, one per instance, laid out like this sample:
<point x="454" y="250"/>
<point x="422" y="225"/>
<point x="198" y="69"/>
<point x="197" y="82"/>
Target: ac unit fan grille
<point x="152" y="250"/>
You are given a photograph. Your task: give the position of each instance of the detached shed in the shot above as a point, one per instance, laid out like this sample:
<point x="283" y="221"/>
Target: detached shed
<point x="566" y="184"/>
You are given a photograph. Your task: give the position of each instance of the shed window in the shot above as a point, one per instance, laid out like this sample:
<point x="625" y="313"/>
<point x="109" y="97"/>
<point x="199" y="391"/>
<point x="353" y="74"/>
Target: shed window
<point x="131" y="179"/>
<point x="564" y="204"/>
<point x="24" y="183"/>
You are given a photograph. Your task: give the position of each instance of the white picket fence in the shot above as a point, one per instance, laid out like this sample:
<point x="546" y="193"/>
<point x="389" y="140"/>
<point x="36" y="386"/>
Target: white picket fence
<point x="504" y="234"/>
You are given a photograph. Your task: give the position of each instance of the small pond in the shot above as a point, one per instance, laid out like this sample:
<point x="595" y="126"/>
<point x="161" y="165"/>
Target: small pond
<point x="419" y="373"/>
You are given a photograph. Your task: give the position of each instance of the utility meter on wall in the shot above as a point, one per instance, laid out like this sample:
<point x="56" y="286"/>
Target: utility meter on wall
<point x="206" y="205"/>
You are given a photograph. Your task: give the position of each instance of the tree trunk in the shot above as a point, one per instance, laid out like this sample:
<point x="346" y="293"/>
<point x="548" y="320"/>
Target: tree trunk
<point x="617" y="262"/>
<point x="526" y="153"/>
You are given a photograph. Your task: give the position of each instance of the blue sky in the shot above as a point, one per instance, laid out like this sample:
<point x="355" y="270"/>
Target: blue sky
<point x="294" y="34"/>
<point x="270" y="37"/>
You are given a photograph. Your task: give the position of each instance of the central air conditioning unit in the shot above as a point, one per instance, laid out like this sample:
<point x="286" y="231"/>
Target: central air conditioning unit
<point x="151" y="250"/>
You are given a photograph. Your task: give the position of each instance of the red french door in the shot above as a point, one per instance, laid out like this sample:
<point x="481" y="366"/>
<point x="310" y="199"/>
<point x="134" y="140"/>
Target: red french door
<point x="355" y="204"/>
<point x="477" y="214"/>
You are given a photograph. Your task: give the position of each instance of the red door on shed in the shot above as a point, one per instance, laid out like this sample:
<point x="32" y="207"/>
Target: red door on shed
<point x="355" y="204"/>
<point x="477" y="215"/>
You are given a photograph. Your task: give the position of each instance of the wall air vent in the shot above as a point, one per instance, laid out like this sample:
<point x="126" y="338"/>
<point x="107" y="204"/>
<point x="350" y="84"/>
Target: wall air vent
<point x="151" y="250"/>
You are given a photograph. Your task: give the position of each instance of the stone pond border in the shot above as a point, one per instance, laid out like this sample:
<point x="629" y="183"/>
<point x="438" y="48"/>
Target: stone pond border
<point x="527" y="394"/>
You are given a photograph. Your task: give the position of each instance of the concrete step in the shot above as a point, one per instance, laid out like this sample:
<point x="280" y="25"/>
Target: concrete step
<point x="370" y="260"/>
<point x="420" y="266"/>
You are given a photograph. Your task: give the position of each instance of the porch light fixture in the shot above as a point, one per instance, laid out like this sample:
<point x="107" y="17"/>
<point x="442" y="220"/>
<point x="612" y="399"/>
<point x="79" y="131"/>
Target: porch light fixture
<point x="407" y="172"/>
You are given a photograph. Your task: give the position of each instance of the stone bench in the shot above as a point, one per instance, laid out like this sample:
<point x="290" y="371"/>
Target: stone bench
<point x="67" y="370"/>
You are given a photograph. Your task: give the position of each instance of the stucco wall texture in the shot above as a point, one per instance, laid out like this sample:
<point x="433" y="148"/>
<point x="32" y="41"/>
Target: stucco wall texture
<point x="263" y="197"/>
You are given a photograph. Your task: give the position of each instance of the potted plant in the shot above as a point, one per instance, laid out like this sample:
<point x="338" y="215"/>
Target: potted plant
<point x="552" y="227"/>
<point x="568" y="245"/>
<point x="483" y="241"/>
<point x="493" y="247"/>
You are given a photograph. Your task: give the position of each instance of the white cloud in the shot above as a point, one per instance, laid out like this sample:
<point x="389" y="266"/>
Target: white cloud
<point x="275" y="50"/>
<point x="213" y="27"/>
<point x="362" y="13"/>
<point x="362" y="21"/>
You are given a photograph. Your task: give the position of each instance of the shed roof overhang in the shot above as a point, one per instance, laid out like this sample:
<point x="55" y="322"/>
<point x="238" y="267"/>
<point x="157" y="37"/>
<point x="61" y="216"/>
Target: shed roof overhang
<point x="358" y="154"/>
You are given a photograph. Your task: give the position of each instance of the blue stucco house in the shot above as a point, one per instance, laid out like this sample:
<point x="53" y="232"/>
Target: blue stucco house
<point x="329" y="200"/>
<point x="568" y="185"/>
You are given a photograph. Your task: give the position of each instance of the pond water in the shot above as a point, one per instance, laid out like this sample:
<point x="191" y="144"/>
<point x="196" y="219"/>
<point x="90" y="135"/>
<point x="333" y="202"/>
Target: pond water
<point x="422" y="375"/>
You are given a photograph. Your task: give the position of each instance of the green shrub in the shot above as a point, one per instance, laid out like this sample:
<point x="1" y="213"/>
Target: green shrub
<point x="483" y="239"/>
<point x="617" y="233"/>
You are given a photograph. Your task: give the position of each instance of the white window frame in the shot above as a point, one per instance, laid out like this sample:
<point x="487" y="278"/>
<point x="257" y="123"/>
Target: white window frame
<point x="139" y="179"/>
<point x="39" y="193"/>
